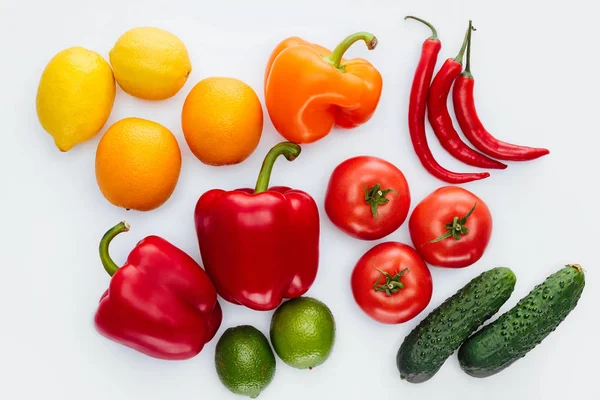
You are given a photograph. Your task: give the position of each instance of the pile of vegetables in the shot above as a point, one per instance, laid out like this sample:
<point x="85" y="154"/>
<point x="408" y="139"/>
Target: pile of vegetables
<point x="260" y="245"/>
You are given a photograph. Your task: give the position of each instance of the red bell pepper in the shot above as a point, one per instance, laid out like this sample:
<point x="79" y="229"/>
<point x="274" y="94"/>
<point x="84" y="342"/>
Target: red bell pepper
<point x="260" y="246"/>
<point x="160" y="302"/>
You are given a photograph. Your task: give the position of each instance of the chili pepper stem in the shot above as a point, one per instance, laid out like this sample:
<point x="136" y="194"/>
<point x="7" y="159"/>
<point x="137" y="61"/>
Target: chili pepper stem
<point x="335" y="58"/>
<point x="107" y="262"/>
<point x="288" y="149"/>
<point x="461" y="53"/>
<point x="467" y="71"/>
<point x="434" y="34"/>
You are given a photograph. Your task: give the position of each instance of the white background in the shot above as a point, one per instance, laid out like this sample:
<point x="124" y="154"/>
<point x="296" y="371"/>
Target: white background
<point x="536" y="68"/>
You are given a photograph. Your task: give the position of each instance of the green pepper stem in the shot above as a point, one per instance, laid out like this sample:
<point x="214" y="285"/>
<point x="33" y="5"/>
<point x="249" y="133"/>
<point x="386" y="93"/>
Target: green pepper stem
<point x="335" y="58"/>
<point x="107" y="262"/>
<point x="289" y="150"/>
<point x="461" y="53"/>
<point x="434" y="34"/>
<point x="467" y="71"/>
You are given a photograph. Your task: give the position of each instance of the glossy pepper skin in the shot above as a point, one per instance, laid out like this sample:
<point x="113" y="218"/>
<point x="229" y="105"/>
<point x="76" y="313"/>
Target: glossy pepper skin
<point x="309" y="89"/>
<point x="440" y="119"/>
<point x="260" y="246"/>
<point x="472" y="127"/>
<point x="417" y="106"/>
<point x="160" y="302"/>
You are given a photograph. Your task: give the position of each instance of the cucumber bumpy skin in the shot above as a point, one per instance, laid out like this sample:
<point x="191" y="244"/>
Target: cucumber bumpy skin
<point x="428" y="346"/>
<point x="519" y="330"/>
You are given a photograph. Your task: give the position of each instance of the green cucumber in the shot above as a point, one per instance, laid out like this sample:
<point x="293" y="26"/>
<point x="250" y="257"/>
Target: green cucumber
<point x="428" y="346"/>
<point x="519" y="330"/>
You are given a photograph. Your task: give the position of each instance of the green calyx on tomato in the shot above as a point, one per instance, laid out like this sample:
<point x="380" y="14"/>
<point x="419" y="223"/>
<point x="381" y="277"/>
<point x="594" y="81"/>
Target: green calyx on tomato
<point x="456" y="228"/>
<point x="409" y="293"/>
<point x="430" y="220"/>
<point x="357" y="189"/>
<point x="392" y="284"/>
<point x="375" y="197"/>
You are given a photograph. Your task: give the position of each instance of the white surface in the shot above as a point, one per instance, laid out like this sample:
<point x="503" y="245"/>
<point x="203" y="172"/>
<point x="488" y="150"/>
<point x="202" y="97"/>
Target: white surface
<point x="535" y="65"/>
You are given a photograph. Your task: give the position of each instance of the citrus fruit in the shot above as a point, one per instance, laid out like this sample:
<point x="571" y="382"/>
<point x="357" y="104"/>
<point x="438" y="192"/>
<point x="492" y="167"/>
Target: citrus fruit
<point x="222" y="121"/>
<point x="244" y="360"/>
<point x="137" y="164"/>
<point x="75" y="96"/>
<point x="303" y="332"/>
<point x="150" y="63"/>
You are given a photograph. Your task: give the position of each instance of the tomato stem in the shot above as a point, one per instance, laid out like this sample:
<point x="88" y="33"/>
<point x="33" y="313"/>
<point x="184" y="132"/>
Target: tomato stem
<point x="375" y="197"/>
<point x="456" y="228"/>
<point x="392" y="284"/>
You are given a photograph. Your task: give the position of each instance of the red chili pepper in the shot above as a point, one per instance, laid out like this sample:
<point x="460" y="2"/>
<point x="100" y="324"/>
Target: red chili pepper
<point x="416" y="112"/>
<point x="439" y="117"/>
<point x="466" y="114"/>
<point x="160" y="302"/>
<point x="260" y="246"/>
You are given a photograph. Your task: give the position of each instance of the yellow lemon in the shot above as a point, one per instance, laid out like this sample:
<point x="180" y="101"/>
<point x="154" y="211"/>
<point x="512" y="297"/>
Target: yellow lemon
<point x="75" y="96"/>
<point x="150" y="63"/>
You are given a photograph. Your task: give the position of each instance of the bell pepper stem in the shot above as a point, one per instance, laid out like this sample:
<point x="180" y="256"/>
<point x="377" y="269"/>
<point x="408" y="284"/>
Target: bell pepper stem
<point x="107" y="262"/>
<point x="461" y="53"/>
<point x="335" y="58"/>
<point x="289" y="150"/>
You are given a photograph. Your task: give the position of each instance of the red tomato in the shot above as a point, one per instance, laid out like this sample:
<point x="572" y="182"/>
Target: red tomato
<point x="391" y="283"/>
<point x="367" y="197"/>
<point x="459" y="223"/>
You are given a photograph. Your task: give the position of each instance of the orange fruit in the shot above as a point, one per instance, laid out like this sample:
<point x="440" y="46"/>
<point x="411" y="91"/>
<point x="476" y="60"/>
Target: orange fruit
<point x="137" y="164"/>
<point x="222" y="121"/>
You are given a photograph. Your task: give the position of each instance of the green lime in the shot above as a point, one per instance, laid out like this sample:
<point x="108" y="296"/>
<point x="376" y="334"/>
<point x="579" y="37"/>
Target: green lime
<point x="303" y="332"/>
<point x="244" y="360"/>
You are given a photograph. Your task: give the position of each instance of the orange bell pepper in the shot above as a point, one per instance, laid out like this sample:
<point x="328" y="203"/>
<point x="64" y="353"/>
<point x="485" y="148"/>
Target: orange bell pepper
<point x="309" y="89"/>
